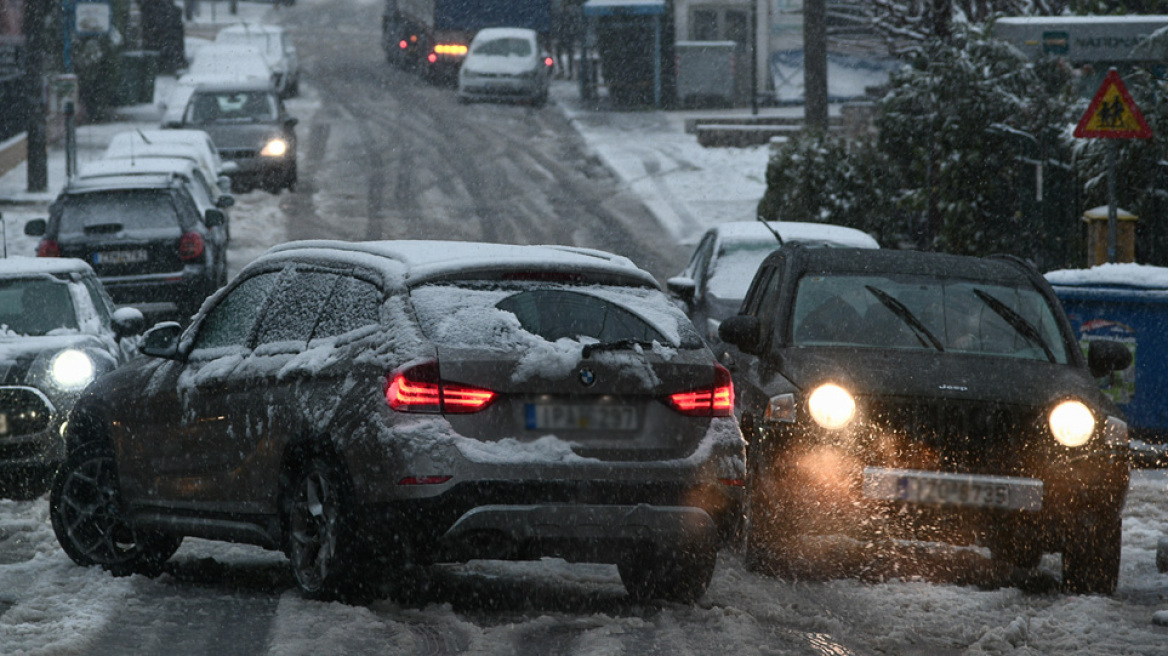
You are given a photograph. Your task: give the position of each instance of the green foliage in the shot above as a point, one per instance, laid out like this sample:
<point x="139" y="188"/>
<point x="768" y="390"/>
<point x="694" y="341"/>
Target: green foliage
<point x="954" y="166"/>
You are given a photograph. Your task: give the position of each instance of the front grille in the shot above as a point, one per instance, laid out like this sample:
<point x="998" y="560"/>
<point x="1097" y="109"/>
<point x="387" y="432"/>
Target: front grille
<point x="239" y="153"/>
<point x="956" y="436"/>
<point x="25" y="411"/>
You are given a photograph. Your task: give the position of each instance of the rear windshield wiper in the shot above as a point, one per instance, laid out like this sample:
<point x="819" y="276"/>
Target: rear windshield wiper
<point x="1017" y="322"/>
<point x="904" y="314"/>
<point x="619" y="345"/>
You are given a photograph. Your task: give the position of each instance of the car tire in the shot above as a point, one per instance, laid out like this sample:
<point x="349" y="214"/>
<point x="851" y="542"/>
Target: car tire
<point x="85" y="510"/>
<point x="322" y="544"/>
<point x="676" y="575"/>
<point x="1091" y="554"/>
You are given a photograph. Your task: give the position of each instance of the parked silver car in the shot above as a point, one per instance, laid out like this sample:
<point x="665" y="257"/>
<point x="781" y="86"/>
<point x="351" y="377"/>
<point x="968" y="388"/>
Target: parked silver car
<point x="505" y="63"/>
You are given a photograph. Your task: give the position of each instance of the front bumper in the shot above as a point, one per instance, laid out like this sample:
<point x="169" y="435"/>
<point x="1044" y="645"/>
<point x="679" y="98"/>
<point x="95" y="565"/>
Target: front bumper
<point x="31" y="436"/>
<point x="500" y="88"/>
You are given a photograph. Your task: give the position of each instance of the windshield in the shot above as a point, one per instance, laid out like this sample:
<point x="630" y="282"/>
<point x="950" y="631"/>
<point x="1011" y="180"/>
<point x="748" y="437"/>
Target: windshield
<point x="140" y="209"/>
<point x="735" y="266"/>
<point x="232" y="106"/>
<point x="918" y="312"/>
<point x="505" y="47"/>
<point x="36" y="306"/>
<point x="520" y="315"/>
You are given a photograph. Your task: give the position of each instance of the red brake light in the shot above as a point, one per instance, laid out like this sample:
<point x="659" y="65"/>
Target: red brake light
<point x="48" y="248"/>
<point x="432" y="58"/>
<point x="716" y="401"/>
<point x="548" y="61"/>
<point x="418" y="389"/>
<point x="190" y="246"/>
<point x="403" y="44"/>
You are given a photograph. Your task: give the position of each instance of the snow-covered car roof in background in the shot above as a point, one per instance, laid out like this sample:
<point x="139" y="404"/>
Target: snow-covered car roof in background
<point x="505" y="32"/>
<point x="20" y="265"/>
<point x="795" y="231"/>
<point x="145" y="166"/>
<point x="415" y="262"/>
<point x="229" y="60"/>
<point x="1141" y="276"/>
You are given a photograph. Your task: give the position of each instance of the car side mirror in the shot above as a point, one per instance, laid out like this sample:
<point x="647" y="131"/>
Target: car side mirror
<point x="214" y="217"/>
<point x="128" y="321"/>
<point x="743" y="331"/>
<point x="161" y="341"/>
<point x="224" y="201"/>
<point x="291" y="122"/>
<point x="1104" y="357"/>
<point x="172" y="125"/>
<point x="683" y="287"/>
<point x="36" y="228"/>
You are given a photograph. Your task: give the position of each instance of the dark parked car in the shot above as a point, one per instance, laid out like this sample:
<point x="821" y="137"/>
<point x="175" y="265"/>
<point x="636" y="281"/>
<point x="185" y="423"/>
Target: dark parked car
<point x="416" y="402"/>
<point x="249" y="125"/>
<point x="58" y="331"/>
<point x="894" y="394"/>
<point x="144" y="235"/>
<point x="715" y="280"/>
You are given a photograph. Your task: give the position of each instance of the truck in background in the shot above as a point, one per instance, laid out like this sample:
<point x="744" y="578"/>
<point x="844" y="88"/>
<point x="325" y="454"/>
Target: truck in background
<point x="432" y="36"/>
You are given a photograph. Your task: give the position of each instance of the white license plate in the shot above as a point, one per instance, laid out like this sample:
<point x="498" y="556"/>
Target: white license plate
<point x="120" y="257"/>
<point x="944" y="489"/>
<point x="580" y="417"/>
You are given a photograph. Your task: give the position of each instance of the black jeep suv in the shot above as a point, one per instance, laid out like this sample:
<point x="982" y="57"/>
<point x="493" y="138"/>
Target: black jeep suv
<point x="923" y="396"/>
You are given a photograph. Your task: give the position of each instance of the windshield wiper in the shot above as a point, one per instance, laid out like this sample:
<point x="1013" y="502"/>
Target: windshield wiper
<point x="619" y="345"/>
<point x="904" y="314"/>
<point x="1016" y="321"/>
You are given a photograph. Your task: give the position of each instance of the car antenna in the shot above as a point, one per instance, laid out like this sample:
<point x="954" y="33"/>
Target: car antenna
<point x="144" y="137"/>
<point x="768" y="225"/>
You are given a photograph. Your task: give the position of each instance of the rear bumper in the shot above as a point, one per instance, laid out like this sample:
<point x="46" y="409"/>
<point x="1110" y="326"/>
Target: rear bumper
<point x="186" y="288"/>
<point x="500" y="89"/>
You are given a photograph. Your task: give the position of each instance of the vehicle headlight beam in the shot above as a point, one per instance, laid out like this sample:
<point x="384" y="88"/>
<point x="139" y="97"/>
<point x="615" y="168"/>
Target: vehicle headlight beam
<point x="72" y="369"/>
<point x="275" y="148"/>
<point x="831" y="406"/>
<point x="1072" y="423"/>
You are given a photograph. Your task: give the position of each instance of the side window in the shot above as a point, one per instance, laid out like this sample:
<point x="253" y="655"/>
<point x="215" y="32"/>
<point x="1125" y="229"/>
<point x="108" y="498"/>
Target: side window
<point x="764" y="283"/>
<point x="354" y="303"/>
<point x="701" y="260"/>
<point x="101" y="300"/>
<point x="231" y="322"/>
<point x="187" y="210"/>
<point x="296" y="307"/>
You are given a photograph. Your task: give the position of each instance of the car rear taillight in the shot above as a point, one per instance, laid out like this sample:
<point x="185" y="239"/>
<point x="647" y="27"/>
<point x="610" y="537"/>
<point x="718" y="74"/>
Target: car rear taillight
<point x="716" y="401"/>
<point x="548" y="61"/>
<point x="190" y="246"/>
<point x="48" y="248"/>
<point x="419" y="389"/>
<point x="403" y="44"/>
<point x="432" y="58"/>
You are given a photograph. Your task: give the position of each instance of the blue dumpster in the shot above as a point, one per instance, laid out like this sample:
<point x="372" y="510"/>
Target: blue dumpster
<point x="1126" y="303"/>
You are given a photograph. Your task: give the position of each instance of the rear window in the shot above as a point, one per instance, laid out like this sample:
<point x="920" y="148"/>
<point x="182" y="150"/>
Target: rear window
<point x="137" y="209"/>
<point x="504" y="47"/>
<point x="520" y="315"/>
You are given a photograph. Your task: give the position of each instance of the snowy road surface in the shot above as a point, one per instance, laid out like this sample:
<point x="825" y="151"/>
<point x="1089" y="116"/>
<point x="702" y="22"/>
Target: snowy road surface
<point x="363" y="127"/>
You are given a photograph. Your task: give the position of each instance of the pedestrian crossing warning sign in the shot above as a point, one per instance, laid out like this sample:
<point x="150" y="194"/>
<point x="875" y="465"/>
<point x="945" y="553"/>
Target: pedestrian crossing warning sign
<point x="1113" y="114"/>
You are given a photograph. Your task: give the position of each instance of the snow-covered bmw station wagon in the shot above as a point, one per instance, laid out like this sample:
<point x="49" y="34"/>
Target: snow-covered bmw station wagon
<point x="416" y="402"/>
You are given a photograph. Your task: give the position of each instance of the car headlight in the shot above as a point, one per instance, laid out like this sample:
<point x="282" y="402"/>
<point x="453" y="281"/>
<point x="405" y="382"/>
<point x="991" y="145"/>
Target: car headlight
<point x="1072" y="423"/>
<point x="72" y="369"/>
<point x="831" y="406"/>
<point x="275" y="148"/>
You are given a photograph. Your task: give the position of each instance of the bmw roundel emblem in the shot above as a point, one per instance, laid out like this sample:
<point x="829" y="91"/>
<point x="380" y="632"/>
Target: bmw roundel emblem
<point x="587" y="378"/>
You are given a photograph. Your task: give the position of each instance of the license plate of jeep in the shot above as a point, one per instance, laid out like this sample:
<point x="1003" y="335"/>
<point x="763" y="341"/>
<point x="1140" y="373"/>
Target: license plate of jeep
<point x="120" y="257"/>
<point x="945" y="489"/>
<point x="580" y="417"/>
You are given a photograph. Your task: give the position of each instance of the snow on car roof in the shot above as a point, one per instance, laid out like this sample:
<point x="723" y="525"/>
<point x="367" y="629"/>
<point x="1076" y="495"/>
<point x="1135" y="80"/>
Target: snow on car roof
<point x="145" y="166"/>
<point x="505" y="32"/>
<point x="419" y="261"/>
<point x="795" y="231"/>
<point x="1112" y="275"/>
<point x="23" y="265"/>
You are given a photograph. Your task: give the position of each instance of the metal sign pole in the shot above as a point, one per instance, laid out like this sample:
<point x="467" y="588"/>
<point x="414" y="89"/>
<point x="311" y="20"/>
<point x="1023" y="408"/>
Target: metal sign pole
<point x="1112" y="220"/>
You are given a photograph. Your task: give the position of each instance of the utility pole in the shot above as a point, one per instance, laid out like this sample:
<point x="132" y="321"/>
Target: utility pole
<point x="34" y="86"/>
<point x="815" y="64"/>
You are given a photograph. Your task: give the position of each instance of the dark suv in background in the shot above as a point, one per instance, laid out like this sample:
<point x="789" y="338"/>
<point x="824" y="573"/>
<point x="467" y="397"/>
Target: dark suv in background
<point x="388" y="403"/>
<point x="145" y="237"/>
<point x="897" y="394"/>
